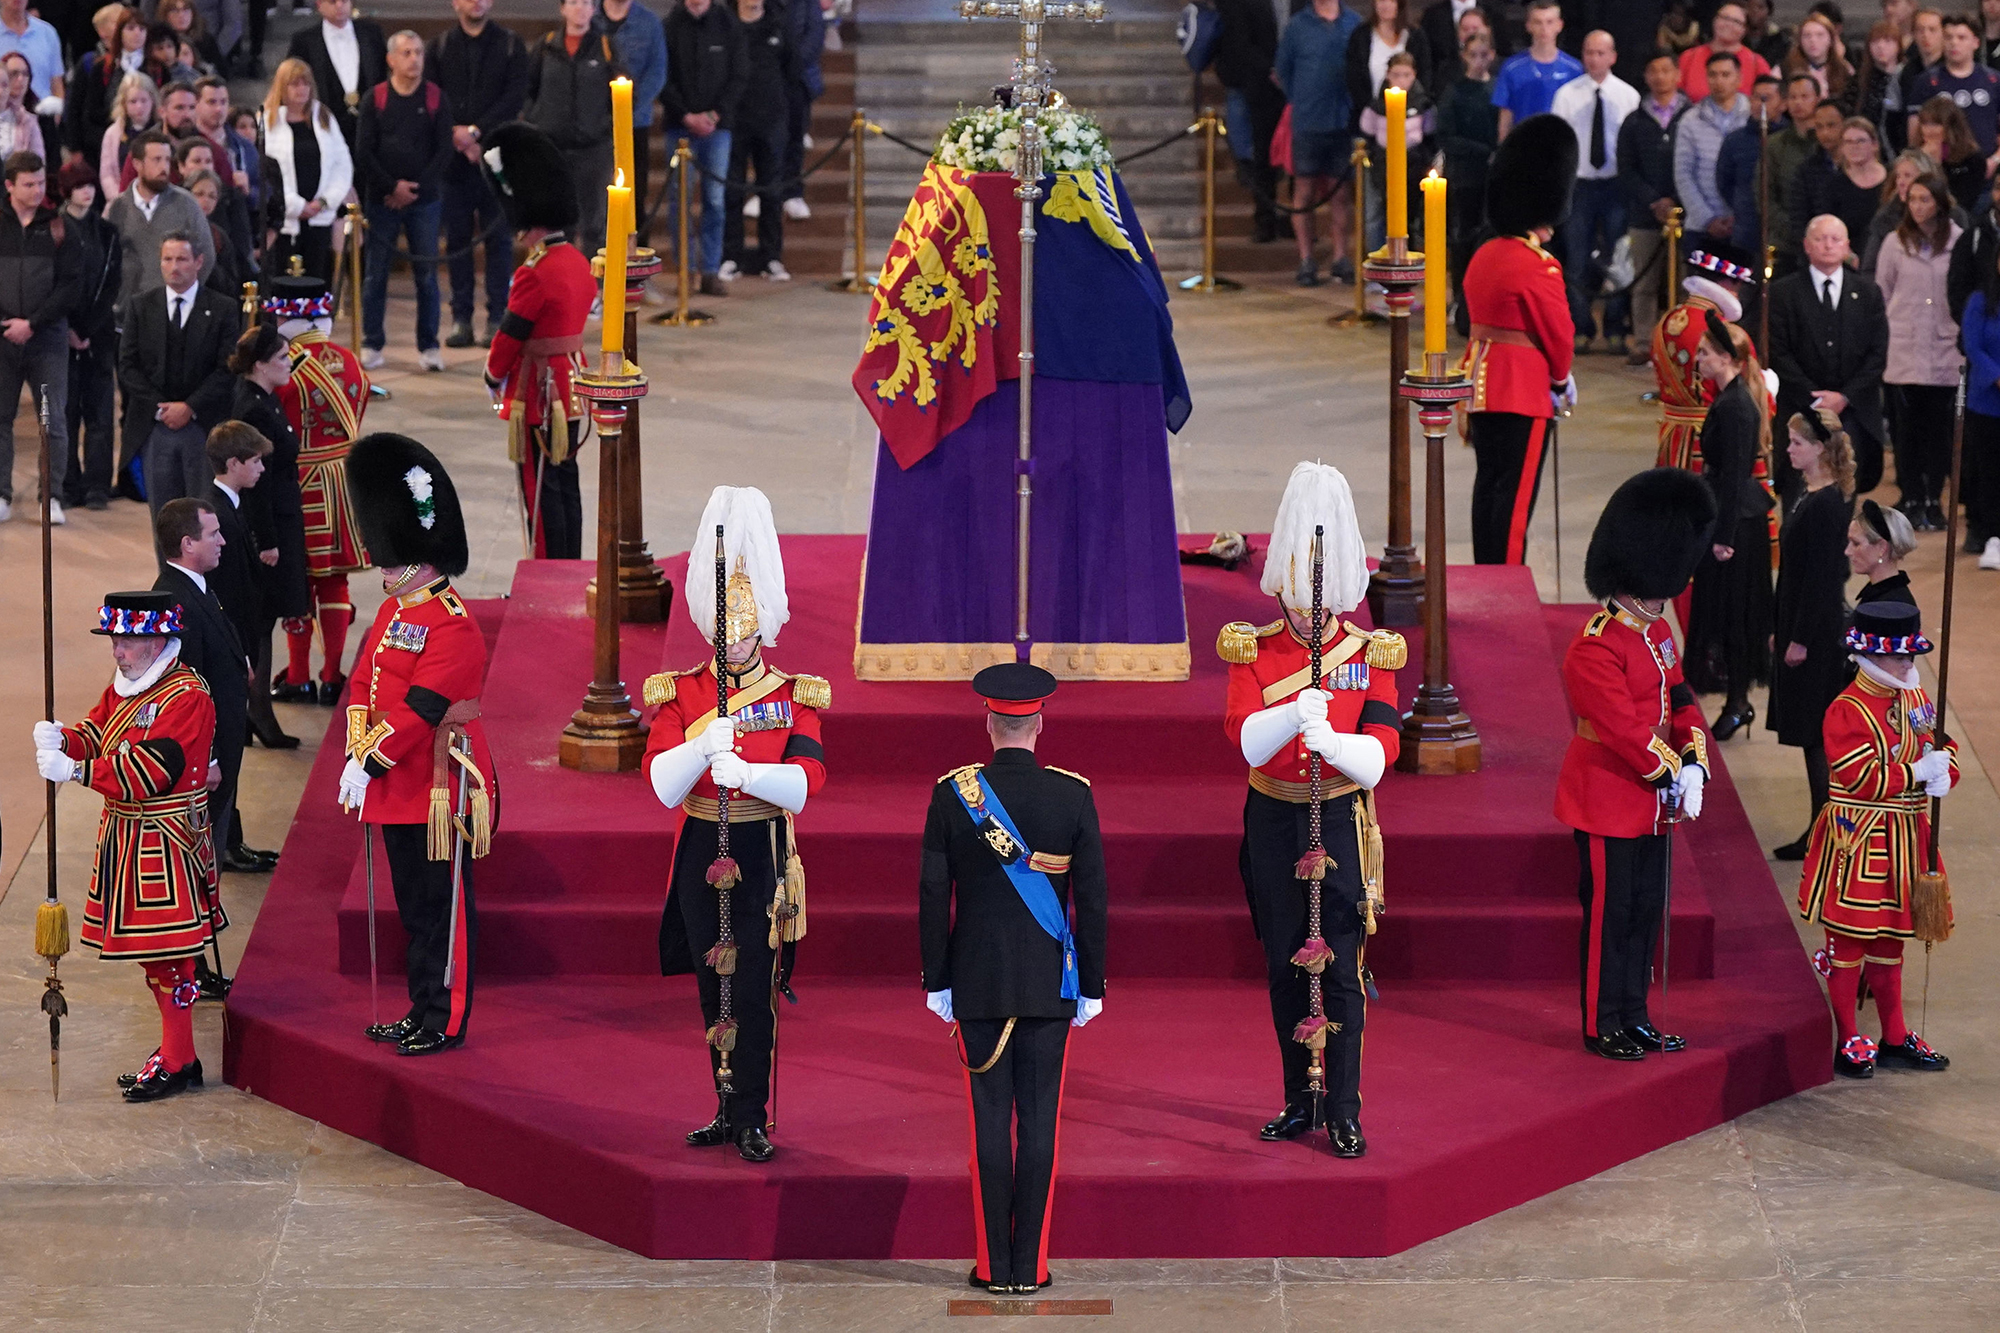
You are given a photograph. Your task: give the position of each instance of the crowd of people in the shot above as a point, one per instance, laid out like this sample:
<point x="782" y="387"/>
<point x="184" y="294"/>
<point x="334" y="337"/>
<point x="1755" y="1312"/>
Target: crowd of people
<point x="118" y="132"/>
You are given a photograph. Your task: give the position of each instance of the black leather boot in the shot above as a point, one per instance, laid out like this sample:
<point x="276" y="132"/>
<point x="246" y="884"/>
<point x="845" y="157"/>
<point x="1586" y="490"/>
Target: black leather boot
<point x="1290" y="1123"/>
<point x="400" y="1030"/>
<point x="752" y="1146"/>
<point x="1347" y="1138"/>
<point x="711" y="1135"/>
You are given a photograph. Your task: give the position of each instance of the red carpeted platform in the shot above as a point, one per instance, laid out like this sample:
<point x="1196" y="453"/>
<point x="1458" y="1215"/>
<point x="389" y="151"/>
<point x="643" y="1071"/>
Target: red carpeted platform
<point x="585" y="1067"/>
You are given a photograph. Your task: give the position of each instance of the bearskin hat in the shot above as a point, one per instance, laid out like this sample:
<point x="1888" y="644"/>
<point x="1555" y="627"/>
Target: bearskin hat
<point x="1533" y="176"/>
<point x="1650" y="536"/>
<point x="531" y="176"/>
<point x="406" y="505"/>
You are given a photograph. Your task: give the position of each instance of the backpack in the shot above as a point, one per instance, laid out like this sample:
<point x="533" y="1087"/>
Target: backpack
<point x="1198" y="31"/>
<point x="433" y="97"/>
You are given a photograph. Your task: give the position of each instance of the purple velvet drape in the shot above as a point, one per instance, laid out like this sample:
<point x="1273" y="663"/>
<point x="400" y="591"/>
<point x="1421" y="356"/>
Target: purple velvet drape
<point x="1105" y="567"/>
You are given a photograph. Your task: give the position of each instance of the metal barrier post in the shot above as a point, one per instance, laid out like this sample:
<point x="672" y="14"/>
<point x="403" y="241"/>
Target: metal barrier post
<point x="1209" y="126"/>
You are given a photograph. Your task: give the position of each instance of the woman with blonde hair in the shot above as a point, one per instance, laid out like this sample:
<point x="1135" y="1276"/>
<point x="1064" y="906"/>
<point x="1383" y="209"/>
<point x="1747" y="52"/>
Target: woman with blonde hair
<point x="1808" y="659"/>
<point x="308" y="172"/>
<point x="134" y="110"/>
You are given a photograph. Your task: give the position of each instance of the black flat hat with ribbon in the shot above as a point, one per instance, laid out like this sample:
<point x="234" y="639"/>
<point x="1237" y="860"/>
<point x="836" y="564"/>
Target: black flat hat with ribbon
<point x="1014" y="689"/>
<point x="138" y="613"/>
<point x="1888" y="627"/>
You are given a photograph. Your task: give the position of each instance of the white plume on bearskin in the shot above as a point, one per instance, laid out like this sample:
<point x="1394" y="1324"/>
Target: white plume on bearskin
<point x="1317" y="495"/>
<point x="750" y="547"/>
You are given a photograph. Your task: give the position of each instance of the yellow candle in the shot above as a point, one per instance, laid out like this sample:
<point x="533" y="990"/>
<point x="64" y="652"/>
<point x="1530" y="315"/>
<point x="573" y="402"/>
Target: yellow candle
<point x="617" y="230"/>
<point x="1436" y="293"/>
<point x="1395" y="180"/>
<point x="621" y="127"/>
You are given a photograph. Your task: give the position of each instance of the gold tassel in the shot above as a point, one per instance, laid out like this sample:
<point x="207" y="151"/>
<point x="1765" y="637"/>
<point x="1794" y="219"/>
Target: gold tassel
<point x="1930" y="907"/>
<point x="795" y="894"/>
<point x="438" y="843"/>
<point x="52" y="930"/>
<point x="482" y="822"/>
<point x="1368" y="833"/>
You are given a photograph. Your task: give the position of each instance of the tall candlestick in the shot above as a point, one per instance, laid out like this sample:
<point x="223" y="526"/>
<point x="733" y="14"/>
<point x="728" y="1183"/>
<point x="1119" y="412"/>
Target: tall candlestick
<point x="1435" y="292"/>
<point x="617" y="231"/>
<point x="621" y="128"/>
<point x="1395" y="178"/>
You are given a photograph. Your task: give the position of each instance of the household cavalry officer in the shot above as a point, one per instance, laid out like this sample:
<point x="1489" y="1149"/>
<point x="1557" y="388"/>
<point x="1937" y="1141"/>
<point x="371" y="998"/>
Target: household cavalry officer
<point x="765" y="750"/>
<point x="1276" y="718"/>
<point x="324" y="400"/>
<point x="536" y="351"/>
<point x="1867" y="854"/>
<point x="417" y="761"/>
<point x="1015" y="846"/>
<point x="1639" y="758"/>
<point x="145" y="749"/>
<point x="1522" y="337"/>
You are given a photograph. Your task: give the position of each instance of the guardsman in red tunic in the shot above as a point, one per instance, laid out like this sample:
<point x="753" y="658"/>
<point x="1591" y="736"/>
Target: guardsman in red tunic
<point x="1275" y="717"/>
<point x="767" y="753"/>
<point x="1888" y="756"/>
<point x="1639" y="758"/>
<point x="537" y="350"/>
<point x="324" y="400"/>
<point x="417" y="762"/>
<point x="1522" y="336"/>
<point x="145" y="749"/>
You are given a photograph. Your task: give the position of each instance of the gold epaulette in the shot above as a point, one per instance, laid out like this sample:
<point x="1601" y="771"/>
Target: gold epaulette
<point x="1066" y="773"/>
<point x="956" y="773"/>
<point x="1237" y="643"/>
<point x="449" y="600"/>
<point x="812" y="692"/>
<point x="1596" y="624"/>
<point x="659" y="688"/>
<point x="534" y="256"/>
<point x="1386" y="648"/>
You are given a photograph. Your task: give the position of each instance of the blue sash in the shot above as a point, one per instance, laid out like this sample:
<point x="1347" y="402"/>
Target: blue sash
<point x="1037" y="893"/>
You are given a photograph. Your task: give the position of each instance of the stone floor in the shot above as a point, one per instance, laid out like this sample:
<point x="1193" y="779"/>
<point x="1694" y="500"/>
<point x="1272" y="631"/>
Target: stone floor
<point x="1854" y="1206"/>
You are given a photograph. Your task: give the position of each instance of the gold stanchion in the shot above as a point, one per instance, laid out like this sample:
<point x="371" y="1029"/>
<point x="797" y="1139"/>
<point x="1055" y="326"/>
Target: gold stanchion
<point x="861" y="280"/>
<point x="682" y="164"/>
<point x="1674" y="231"/>
<point x="1438" y="737"/>
<point x="1359" y="226"/>
<point x="1209" y="126"/>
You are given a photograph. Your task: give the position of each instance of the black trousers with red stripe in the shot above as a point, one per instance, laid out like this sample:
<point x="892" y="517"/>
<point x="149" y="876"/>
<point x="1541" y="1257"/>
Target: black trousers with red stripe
<point x="423" y="901"/>
<point x="1014" y="1169"/>
<point x="1511" y="450"/>
<point x="1623" y="886"/>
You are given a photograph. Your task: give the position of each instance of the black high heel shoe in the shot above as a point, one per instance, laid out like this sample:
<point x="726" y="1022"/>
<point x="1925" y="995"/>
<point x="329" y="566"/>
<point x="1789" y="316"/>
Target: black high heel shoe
<point x="1733" y="720"/>
<point x="281" y="741"/>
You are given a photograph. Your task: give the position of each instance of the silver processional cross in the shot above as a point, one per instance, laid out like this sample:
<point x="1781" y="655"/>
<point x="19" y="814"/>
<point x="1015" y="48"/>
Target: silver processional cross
<point x="1030" y="85"/>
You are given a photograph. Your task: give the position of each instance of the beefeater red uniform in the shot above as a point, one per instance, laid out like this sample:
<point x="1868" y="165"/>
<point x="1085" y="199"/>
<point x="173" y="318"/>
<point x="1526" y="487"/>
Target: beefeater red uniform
<point x="1520" y="352"/>
<point x="536" y="354"/>
<point x="777" y="722"/>
<point x="421" y="668"/>
<point x="325" y="400"/>
<point x="1268" y="666"/>
<point x="1637" y="725"/>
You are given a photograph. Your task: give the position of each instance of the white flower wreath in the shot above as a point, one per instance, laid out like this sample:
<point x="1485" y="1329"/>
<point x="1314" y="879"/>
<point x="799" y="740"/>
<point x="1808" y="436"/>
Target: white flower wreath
<point x="989" y="139"/>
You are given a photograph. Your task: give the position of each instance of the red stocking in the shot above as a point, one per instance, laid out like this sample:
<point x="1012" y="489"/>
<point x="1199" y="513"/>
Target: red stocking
<point x="1843" y="987"/>
<point x="299" y="644"/>
<point x="336" y="613"/>
<point x="1884" y="969"/>
<point x="174" y="990"/>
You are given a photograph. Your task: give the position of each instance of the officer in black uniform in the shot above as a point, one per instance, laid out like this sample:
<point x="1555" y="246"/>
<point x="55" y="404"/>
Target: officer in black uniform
<point x="1018" y="844"/>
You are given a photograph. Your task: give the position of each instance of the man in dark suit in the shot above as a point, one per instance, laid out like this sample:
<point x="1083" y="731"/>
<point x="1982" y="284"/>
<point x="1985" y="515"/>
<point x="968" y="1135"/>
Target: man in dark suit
<point x="173" y="363"/>
<point x="347" y="56"/>
<point x="1246" y="43"/>
<point x="1015" y="844"/>
<point x="1830" y="345"/>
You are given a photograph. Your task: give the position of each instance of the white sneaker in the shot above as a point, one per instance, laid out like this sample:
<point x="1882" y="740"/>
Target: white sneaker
<point x="596" y="306"/>
<point x="6" y="510"/>
<point x="372" y="358"/>
<point x="806" y="142"/>
<point x="796" y="209"/>
<point x="729" y="272"/>
<point x="776" y="272"/>
<point x="56" y="515"/>
<point x="432" y="359"/>
<point x="753" y="206"/>
<point x="1990" y="557"/>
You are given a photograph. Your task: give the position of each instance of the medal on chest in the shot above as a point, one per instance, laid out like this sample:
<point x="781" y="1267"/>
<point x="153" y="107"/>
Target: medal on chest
<point x="1922" y="716"/>
<point x="405" y="637"/>
<point x="1347" y="676"/>
<point x="146" y="716"/>
<point x="771" y="715"/>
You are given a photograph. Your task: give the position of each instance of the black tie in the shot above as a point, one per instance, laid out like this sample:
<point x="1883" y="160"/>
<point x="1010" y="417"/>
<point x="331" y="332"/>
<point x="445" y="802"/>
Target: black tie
<point x="1826" y="295"/>
<point x="177" y="310"/>
<point x="1597" y="130"/>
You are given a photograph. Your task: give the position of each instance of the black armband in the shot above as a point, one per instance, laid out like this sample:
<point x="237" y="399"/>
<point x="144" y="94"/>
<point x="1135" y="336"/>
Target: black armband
<point x="1375" y="713"/>
<point x="167" y="753"/>
<point x="427" y="704"/>
<point x="805" y="747"/>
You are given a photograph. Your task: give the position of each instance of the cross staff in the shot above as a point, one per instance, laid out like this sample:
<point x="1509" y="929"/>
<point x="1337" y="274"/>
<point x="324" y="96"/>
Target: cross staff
<point x="1030" y="85"/>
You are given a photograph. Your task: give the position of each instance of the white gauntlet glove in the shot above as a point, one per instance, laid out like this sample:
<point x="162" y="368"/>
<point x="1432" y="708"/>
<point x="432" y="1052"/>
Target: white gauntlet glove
<point x="1086" y="1009"/>
<point x="674" y="772"/>
<point x="719" y="738"/>
<point x="1310" y="706"/>
<point x="48" y="735"/>
<point x="1266" y="733"/>
<point x="56" y="766"/>
<point x="729" y="770"/>
<point x="1688" y="786"/>
<point x="1934" y="771"/>
<point x="353" y="786"/>
<point x="939" y="1003"/>
<point x="1361" y="758"/>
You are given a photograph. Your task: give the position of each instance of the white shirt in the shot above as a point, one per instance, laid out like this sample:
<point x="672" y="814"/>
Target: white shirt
<point x="1576" y="102"/>
<point x="200" y="581"/>
<point x="1821" y="281"/>
<point x="235" y="500"/>
<point x="1379" y="52"/>
<point x="344" y="50"/>
<point x="186" y="299"/>
<point x="146" y="203"/>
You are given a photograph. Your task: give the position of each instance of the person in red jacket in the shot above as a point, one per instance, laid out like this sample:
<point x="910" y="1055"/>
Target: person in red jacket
<point x="145" y="750"/>
<point x="766" y="752"/>
<point x="1889" y="757"/>
<point x="537" y="350"/>
<point x="1522" y="337"/>
<point x="1276" y="718"/>
<point x="1639" y="759"/>
<point x="414" y="739"/>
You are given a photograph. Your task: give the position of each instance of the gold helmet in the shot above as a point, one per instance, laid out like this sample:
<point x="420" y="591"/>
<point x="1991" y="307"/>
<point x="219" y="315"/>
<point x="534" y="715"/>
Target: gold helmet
<point x="753" y="595"/>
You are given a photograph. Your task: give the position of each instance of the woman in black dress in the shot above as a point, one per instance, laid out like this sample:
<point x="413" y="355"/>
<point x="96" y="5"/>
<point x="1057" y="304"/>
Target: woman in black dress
<point x="1729" y="627"/>
<point x="1808" y="656"/>
<point x="1878" y="541"/>
<point x="262" y="363"/>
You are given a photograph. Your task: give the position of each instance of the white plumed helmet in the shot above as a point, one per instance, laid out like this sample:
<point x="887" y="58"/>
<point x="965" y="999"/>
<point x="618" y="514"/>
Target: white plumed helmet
<point x="755" y="599"/>
<point x="1316" y="495"/>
